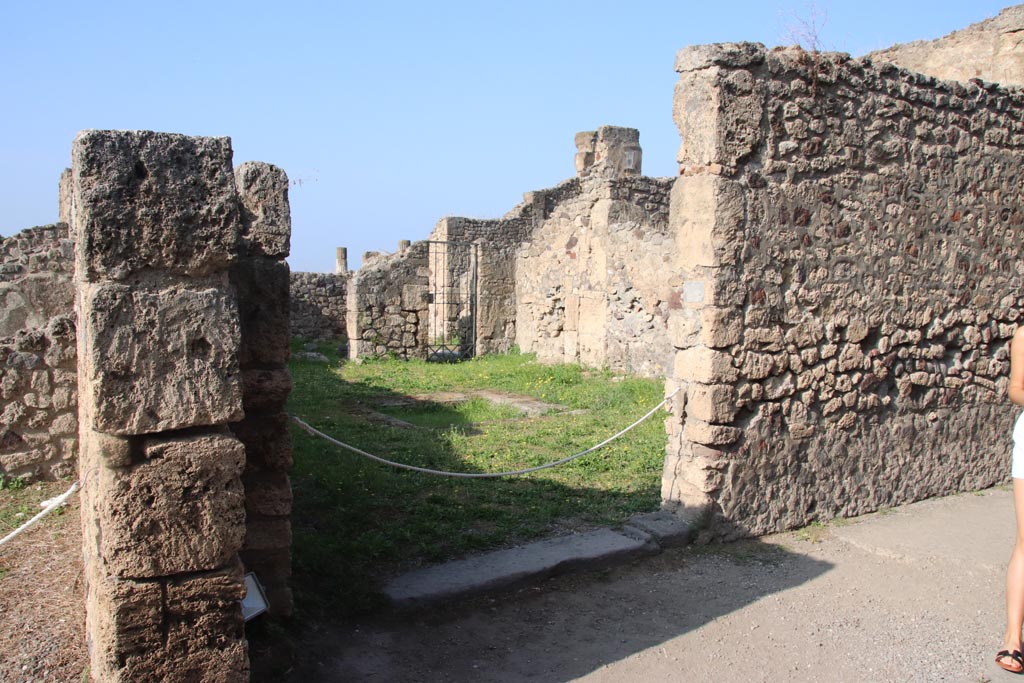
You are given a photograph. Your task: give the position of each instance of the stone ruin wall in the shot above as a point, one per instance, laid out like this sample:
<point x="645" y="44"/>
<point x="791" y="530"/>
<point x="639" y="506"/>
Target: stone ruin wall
<point x="590" y="283"/>
<point x="992" y="50"/>
<point x="497" y="241"/>
<point x="855" y="258"/>
<point x="181" y="344"/>
<point x="36" y="266"/>
<point x="261" y="278"/>
<point x="393" y="301"/>
<point x="39" y="386"/>
<point x="38" y="424"/>
<point x="319" y="305"/>
<point x="387" y="305"/>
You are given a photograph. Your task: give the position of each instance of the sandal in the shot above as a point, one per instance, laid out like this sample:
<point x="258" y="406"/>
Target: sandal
<point x="1016" y="657"/>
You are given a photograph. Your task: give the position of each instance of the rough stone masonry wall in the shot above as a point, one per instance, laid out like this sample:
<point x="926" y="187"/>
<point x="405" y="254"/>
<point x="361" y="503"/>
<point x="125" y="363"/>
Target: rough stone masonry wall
<point x="156" y="223"/>
<point x="38" y="423"/>
<point x="496" y="243"/>
<point x="36" y="266"/>
<point x="261" y="278"/>
<point x="992" y="50"/>
<point x="319" y="305"/>
<point x="851" y="235"/>
<point x="591" y="285"/>
<point x="387" y="305"/>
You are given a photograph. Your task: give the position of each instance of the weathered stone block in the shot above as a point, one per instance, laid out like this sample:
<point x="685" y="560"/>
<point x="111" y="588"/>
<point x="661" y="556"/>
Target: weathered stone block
<point x="267" y="493"/>
<point x="684" y="328"/>
<point x="721" y="327"/>
<point x="65" y="189"/>
<point x="715" y="403"/>
<point x="263" y="287"/>
<point x="698" y="57"/>
<point x="266" y="213"/>
<point x="203" y="611"/>
<point x="32" y="299"/>
<point x="268" y="533"/>
<point x="152" y="200"/>
<point x="701" y="432"/>
<point x="124" y="619"/>
<point x="160" y="359"/>
<point x="267" y="440"/>
<point x="113" y="451"/>
<point x="266" y="390"/>
<point x="180" y="510"/>
<point x="179" y="631"/>
<point x="704" y="365"/>
<point x="414" y="297"/>
<point x="66" y="423"/>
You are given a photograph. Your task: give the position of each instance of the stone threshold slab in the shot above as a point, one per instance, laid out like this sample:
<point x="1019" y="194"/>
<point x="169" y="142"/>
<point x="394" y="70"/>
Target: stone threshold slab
<point x="504" y="570"/>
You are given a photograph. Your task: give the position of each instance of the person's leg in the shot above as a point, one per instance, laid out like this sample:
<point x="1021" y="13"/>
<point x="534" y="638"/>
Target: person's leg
<point x="1015" y="581"/>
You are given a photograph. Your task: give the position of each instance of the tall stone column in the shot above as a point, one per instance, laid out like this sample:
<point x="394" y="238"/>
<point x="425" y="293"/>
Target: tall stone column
<point x="156" y="225"/>
<point x="262" y="278"/>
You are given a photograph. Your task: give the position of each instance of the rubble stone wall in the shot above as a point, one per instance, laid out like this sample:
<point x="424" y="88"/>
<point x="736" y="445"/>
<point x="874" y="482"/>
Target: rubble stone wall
<point x="319" y="305"/>
<point x="387" y="305"/>
<point x="849" y="242"/>
<point x="992" y="50"/>
<point x="36" y="267"/>
<point x="39" y="421"/>
<point x="590" y="282"/>
<point x="494" y="307"/>
<point x="157" y="223"/>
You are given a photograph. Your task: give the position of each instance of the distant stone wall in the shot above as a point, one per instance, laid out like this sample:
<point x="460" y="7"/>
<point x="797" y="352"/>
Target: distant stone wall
<point x="39" y="386"/>
<point x="992" y="50"/>
<point x="387" y="305"/>
<point x="496" y="243"/>
<point x="36" y="266"/>
<point x="319" y="305"/>
<point x="850" y="238"/>
<point x="591" y="285"/>
<point x="37" y="344"/>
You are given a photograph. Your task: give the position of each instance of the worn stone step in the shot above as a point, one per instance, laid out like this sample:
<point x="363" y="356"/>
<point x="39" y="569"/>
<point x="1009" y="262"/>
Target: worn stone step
<point x="515" y="567"/>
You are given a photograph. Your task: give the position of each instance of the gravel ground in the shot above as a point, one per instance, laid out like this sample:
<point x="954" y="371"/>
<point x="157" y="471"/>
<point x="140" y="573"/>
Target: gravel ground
<point x="42" y="600"/>
<point x="915" y="594"/>
<point x="911" y="595"/>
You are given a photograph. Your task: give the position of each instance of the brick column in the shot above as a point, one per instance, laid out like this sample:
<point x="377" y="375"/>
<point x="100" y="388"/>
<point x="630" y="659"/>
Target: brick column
<point x="156" y="225"/>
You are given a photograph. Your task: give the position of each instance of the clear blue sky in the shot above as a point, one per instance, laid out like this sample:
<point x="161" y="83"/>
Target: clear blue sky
<point x="386" y="115"/>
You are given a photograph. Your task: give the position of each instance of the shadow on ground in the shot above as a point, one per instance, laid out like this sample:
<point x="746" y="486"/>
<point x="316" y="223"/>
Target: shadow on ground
<point x="561" y="630"/>
<point x="357" y="523"/>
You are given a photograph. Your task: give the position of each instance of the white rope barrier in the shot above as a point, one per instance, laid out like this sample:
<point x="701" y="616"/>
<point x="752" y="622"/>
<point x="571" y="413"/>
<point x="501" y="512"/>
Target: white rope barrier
<point x="479" y="475"/>
<point x="54" y="504"/>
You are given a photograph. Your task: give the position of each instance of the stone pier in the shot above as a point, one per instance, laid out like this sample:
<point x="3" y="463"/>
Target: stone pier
<point x="261" y="278"/>
<point x="156" y="225"/>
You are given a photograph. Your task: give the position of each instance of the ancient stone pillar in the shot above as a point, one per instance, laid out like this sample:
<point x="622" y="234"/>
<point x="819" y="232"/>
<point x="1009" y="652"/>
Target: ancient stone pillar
<point x="156" y="224"/>
<point x="261" y="278"/>
<point x="341" y="261"/>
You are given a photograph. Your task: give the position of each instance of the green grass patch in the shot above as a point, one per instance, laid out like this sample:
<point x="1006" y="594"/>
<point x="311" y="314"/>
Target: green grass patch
<point x="357" y="522"/>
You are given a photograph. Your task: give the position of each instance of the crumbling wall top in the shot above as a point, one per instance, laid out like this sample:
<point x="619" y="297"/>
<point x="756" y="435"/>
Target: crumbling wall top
<point x="610" y="151"/>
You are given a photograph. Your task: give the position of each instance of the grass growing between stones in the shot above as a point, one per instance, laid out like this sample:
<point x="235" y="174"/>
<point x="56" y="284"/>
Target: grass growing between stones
<point x="357" y="522"/>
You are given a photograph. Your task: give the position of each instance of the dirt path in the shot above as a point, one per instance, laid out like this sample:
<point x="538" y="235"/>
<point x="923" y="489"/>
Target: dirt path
<point x="912" y="595"/>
